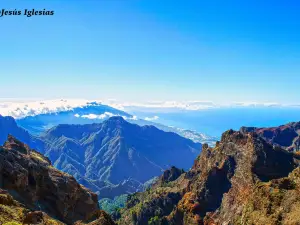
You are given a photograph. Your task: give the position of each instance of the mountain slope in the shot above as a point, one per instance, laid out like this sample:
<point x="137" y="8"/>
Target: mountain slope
<point x="29" y="182"/>
<point x="244" y="179"/>
<point x="116" y="151"/>
<point x="192" y="135"/>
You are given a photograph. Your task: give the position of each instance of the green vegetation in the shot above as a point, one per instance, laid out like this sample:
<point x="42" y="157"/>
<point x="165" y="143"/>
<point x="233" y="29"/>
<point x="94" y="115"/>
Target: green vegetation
<point x="154" y="220"/>
<point x="12" y="223"/>
<point x="112" y="206"/>
<point x="11" y="213"/>
<point x="37" y="156"/>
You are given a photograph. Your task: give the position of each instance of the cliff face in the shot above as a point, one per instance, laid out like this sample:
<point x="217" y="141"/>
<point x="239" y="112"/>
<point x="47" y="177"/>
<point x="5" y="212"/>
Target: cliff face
<point x="244" y="179"/>
<point x="35" y="185"/>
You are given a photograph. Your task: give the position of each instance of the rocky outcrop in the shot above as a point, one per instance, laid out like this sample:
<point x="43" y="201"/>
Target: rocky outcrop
<point x="98" y="217"/>
<point x="171" y="174"/>
<point x="31" y="180"/>
<point x="244" y="179"/>
<point x="13" y="212"/>
<point x="168" y="176"/>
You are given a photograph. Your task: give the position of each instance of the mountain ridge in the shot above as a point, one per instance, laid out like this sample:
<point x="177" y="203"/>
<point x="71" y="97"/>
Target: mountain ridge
<point x="244" y="179"/>
<point x="144" y="151"/>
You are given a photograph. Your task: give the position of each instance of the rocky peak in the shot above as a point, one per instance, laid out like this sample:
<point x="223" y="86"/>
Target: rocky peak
<point x="171" y="174"/>
<point x="168" y="176"/>
<point x="115" y="120"/>
<point x="116" y="123"/>
<point x="13" y="144"/>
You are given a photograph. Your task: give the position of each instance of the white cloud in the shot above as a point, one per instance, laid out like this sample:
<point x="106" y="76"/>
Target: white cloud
<point x="151" y="118"/>
<point x="134" y="118"/>
<point x="104" y="116"/>
<point x="95" y="116"/>
<point x="20" y="109"/>
<point x="92" y="116"/>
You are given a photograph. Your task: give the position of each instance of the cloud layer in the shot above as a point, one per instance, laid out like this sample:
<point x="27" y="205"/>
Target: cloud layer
<point x="30" y="108"/>
<point x="20" y="109"/>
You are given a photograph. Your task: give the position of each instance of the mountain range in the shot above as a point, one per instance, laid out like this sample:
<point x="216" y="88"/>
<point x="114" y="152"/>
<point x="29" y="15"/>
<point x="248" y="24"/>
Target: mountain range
<point x="111" y="158"/>
<point x="116" y="154"/>
<point x="250" y="176"/>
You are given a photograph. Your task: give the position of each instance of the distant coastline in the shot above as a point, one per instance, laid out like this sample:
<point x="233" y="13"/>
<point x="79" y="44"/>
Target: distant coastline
<point x="26" y="12"/>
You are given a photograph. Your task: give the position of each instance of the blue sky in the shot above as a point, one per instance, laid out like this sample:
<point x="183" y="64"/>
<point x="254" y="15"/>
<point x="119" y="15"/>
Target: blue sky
<point x="220" y="51"/>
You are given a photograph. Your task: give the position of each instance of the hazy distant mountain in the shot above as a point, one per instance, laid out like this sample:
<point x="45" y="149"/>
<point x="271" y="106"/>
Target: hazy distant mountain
<point x="116" y="153"/>
<point x="9" y="126"/>
<point x="286" y="136"/>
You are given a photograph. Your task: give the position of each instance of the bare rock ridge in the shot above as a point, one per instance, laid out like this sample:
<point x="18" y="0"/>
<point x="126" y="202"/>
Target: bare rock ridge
<point x="32" y="189"/>
<point x="245" y="179"/>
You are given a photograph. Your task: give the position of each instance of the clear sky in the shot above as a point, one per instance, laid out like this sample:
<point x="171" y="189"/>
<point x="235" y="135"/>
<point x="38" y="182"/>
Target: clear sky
<point x="134" y="50"/>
